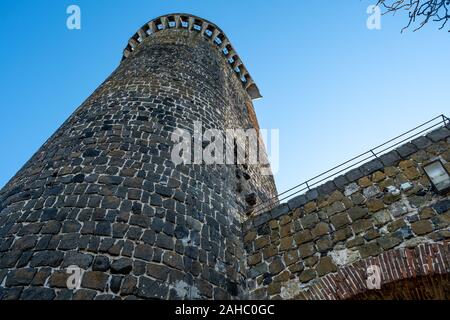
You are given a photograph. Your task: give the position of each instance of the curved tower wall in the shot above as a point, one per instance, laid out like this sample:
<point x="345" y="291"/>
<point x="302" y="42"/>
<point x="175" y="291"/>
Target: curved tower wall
<point x="103" y="194"/>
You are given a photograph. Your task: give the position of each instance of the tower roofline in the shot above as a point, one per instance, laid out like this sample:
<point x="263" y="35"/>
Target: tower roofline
<point x="210" y="32"/>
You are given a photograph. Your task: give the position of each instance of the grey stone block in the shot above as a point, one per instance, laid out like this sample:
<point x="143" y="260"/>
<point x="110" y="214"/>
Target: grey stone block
<point x="297" y="202"/>
<point x="340" y="182"/>
<point x="421" y="142"/>
<point x="279" y="211"/>
<point x="406" y="150"/>
<point x="390" y="158"/>
<point x="326" y="188"/>
<point x="439" y="134"/>
<point x="312" y="195"/>
<point x="371" y="166"/>
<point x="261" y="219"/>
<point x="354" y="175"/>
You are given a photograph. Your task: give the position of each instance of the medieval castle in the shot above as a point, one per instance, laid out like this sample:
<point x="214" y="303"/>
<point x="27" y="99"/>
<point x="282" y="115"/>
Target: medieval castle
<point x="102" y="195"/>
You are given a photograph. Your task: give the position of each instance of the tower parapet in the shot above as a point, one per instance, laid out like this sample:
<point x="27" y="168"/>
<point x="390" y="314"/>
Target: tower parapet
<point x="201" y="27"/>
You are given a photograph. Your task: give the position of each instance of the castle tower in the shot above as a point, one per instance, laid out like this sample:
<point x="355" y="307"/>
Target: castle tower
<point x="103" y="194"/>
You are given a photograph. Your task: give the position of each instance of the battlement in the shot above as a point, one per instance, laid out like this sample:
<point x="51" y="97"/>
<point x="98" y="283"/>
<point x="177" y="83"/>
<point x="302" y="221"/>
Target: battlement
<point x="209" y="31"/>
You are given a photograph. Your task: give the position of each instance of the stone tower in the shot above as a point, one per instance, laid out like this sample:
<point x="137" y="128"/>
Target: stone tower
<point x="102" y="194"/>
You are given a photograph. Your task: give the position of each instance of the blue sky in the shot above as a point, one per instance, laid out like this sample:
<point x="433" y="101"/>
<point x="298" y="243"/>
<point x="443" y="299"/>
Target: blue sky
<point x="332" y="87"/>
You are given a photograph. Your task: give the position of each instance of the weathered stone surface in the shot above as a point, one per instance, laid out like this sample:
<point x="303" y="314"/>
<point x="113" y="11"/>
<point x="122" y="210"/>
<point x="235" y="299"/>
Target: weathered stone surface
<point x="356" y="241"/>
<point x="84" y="294"/>
<point x="307" y="275"/>
<point x="47" y="258"/>
<point x="324" y="244"/>
<point x="309" y="220"/>
<point x="326" y="188"/>
<point x="121" y="266"/>
<point x="375" y="205"/>
<point x="371" y="192"/>
<point x="442" y="206"/>
<point x="343" y="233"/>
<point x="302" y="237"/>
<point x="173" y="260"/>
<point x="378" y="176"/>
<point x="95" y="280"/>
<point x="371" y="166"/>
<point x="78" y="259"/>
<point x="262" y="242"/>
<point x="157" y="271"/>
<point x="325" y="266"/>
<point x="144" y="252"/>
<point x="381" y="217"/>
<point x="25" y="243"/>
<point x="398" y="208"/>
<point x="438" y="134"/>
<point x="276" y="266"/>
<point x="388" y="242"/>
<point x="279" y="211"/>
<point x="59" y="279"/>
<point x="421" y="142"/>
<point x="270" y="251"/>
<point x="320" y="229"/>
<point x="254" y="259"/>
<point x="286" y="243"/>
<point x="285" y="230"/>
<point x="297" y="202"/>
<point x="307" y="249"/>
<point x="369" y="249"/>
<point x="356" y="213"/>
<point x="351" y="189"/>
<point x="290" y="257"/>
<point x="129" y="285"/>
<point x="258" y="270"/>
<point x="406" y="150"/>
<point x="152" y="289"/>
<point x="20" y="277"/>
<point x="390" y="158"/>
<point x="395" y="225"/>
<point x="422" y="227"/>
<point x="101" y="263"/>
<point x="340" y="220"/>
<point x="361" y="225"/>
<point x="364" y="182"/>
<point x="335" y="208"/>
<point x="36" y="293"/>
<point x="340" y="182"/>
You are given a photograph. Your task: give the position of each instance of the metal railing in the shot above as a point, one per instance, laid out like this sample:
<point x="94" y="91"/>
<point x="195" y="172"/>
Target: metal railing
<point x="371" y="154"/>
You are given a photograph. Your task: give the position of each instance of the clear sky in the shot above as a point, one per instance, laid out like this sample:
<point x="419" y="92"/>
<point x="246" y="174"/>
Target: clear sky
<point x="332" y="87"/>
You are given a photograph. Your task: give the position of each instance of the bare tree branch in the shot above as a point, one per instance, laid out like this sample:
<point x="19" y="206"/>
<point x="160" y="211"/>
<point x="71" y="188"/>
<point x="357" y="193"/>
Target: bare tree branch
<point x="420" y="12"/>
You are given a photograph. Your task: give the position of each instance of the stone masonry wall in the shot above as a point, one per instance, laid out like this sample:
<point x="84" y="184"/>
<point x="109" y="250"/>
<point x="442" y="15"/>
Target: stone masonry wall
<point x="103" y="194"/>
<point x="385" y="213"/>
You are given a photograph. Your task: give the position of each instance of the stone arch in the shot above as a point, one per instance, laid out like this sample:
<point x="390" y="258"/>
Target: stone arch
<point x="414" y="268"/>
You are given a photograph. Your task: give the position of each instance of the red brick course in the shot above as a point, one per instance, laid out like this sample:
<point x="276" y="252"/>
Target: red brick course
<point x="395" y="265"/>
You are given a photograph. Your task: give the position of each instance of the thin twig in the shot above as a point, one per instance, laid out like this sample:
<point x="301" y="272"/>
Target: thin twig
<point x="420" y="12"/>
